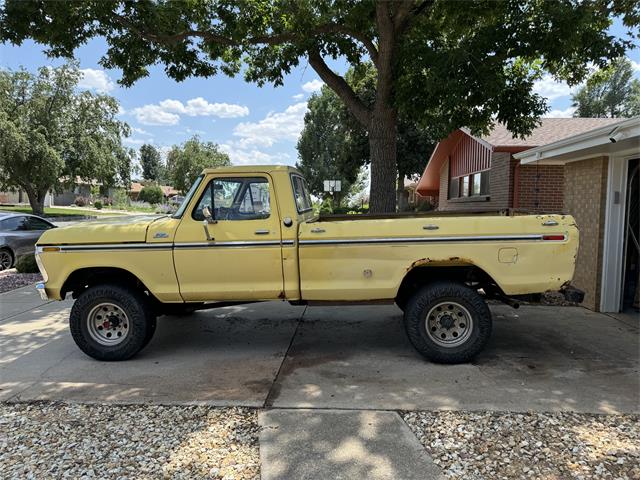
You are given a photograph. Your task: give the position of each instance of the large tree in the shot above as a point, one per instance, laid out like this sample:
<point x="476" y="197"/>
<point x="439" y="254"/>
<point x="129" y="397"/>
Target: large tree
<point x="446" y="63"/>
<point x="51" y="134"/>
<point x="185" y="162"/>
<point x="333" y="144"/>
<point x="150" y="162"/>
<point x="609" y="92"/>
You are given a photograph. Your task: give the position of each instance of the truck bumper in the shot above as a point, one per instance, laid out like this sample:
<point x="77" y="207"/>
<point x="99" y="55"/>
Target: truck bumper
<point x="573" y="294"/>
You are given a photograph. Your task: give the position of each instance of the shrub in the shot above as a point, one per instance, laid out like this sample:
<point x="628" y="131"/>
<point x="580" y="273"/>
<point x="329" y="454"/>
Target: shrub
<point x="81" y="202"/>
<point x="326" y="207"/>
<point x="167" y="209"/>
<point x="425" y="206"/>
<point x="120" y="199"/>
<point x="27" y="264"/>
<point x="97" y="204"/>
<point x="151" y="194"/>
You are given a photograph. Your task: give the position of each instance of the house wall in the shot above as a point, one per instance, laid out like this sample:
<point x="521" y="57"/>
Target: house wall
<point x="541" y="188"/>
<point x="585" y="198"/>
<point x="500" y="187"/>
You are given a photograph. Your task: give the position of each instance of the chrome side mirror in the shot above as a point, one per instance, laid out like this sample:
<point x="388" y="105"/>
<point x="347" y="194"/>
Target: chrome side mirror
<point x="208" y="219"/>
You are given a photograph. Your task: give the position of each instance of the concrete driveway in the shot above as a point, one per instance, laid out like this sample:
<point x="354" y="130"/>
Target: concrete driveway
<point x="273" y="354"/>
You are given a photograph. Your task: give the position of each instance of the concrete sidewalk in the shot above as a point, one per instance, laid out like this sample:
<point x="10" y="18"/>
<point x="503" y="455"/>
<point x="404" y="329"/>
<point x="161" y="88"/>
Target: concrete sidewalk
<point x="340" y="445"/>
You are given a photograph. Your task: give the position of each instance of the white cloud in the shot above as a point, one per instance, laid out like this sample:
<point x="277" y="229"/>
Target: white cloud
<point x="566" y="113"/>
<point x="548" y="87"/>
<point x="253" y="156"/>
<point x="155" y="115"/>
<point x="199" y="107"/>
<point x="298" y="96"/>
<point x="635" y="65"/>
<point x="168" y="111"/>
<point x="313" y="86"/>
<point x="275" y="127"/>
<point x="95" y="80"/>
<point x="141" y="131"/>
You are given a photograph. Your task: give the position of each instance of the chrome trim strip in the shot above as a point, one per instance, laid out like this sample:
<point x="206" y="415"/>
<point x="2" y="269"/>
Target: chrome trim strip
<point x="461" y="239"/>
<point x="115" y="246"/>
<point x="166" y="246"/>
<point x="265" y="243"/>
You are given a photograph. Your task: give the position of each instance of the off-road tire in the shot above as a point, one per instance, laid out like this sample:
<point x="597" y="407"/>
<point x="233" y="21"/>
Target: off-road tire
<point x="136" y="307"/>
<point x="421" y="303"/>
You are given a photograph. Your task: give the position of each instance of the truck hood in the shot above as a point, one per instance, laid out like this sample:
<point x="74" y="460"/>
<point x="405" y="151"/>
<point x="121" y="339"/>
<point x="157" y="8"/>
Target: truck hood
<point x="123" y="229"/>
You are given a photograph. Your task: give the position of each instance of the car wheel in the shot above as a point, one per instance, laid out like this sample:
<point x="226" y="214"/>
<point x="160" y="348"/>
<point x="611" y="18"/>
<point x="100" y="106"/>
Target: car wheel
<point x="6" y="259"/>
<point x="111" y="323"/>
<point x="448" y="322"/>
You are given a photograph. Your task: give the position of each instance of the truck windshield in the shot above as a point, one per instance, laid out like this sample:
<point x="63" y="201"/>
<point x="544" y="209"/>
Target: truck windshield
<point x="187" y="197"/>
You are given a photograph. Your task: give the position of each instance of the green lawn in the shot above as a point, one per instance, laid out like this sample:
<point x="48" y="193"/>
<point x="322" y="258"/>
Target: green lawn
<point x="56" y="212"/>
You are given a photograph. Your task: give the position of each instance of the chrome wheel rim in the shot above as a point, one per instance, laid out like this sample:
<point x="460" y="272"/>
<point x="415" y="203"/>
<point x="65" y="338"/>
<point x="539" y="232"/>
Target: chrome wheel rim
<point x="108" y="324"/>
<point x="449" y="324"/>
<point x="5" y="260"/>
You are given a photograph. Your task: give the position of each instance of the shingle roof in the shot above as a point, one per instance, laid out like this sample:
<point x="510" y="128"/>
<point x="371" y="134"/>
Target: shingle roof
<point x="550" y="130"/>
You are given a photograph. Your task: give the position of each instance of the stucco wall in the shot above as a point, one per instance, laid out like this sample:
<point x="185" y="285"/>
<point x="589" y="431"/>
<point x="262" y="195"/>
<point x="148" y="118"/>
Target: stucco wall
<point x="584" y="198"/>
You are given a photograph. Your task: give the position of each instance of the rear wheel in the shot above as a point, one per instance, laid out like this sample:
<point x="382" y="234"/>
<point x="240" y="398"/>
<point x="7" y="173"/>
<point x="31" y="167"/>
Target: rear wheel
<point x="111" y="323"/>
<point x="6" y="259"/>
<point x="448" y="322"/>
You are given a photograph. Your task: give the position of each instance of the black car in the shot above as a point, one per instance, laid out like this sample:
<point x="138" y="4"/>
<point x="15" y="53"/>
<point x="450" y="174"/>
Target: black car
<point x="19" y="233"/>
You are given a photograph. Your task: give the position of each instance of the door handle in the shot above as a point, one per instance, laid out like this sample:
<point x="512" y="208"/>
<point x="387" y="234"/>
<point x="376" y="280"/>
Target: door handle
<point x="262" y="232"/>
<point x="431" y="226"/>
<point x="317" y="230"/>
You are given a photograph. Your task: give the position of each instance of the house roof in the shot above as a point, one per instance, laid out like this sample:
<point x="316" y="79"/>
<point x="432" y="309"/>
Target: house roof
<point x="550" y="130"/>
<point x="620" y="139"/>
<point x="500" y="139"/>
<point x="167" y="190"/>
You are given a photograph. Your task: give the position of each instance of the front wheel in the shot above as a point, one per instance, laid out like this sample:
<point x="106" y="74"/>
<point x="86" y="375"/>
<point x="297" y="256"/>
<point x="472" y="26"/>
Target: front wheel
<point x="448" y="322"/>
<point x="111" y="323"/>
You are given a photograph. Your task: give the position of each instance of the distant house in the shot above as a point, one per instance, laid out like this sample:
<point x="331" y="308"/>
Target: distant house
<point x="475" y="173"/>
<point x="586" y="167"/>
<point x="136" y="187"/>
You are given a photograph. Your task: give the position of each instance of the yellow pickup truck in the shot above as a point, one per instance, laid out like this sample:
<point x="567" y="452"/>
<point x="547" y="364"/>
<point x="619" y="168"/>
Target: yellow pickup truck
<point x="246" y="234"/>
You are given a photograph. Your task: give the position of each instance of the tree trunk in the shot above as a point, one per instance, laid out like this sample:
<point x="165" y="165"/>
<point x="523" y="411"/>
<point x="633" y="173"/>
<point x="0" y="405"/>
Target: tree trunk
<point x="382" y="149"/>
<point x="36" y="200"/>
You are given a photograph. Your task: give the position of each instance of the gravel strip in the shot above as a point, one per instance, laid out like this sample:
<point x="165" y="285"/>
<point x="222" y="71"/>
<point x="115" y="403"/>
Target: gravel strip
<point x="54" y="440"/>
<point x="492" y="445"/>
<point x="10" y="279"/>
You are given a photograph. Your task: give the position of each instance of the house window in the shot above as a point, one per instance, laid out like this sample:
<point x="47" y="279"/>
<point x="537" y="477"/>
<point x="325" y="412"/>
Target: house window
<point x="476" y="184"/>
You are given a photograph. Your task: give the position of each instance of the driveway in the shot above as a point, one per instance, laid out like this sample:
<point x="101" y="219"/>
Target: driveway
<point x="274" y="354"/>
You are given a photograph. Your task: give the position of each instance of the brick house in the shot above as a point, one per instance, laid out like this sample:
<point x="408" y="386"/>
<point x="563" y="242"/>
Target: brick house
<point x="586" y="167"/>
<point x="479" y="173"/>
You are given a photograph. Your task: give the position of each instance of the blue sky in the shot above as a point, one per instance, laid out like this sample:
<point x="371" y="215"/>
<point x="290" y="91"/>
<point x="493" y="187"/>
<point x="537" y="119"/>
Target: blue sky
<point x="253" y="125"/>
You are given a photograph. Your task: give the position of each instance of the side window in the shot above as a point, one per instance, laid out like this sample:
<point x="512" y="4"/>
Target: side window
<point x="14" y="224"/>
<point x="235" y="199"/>
<point x="34" y="223"/>
<point x="300" y="194"/>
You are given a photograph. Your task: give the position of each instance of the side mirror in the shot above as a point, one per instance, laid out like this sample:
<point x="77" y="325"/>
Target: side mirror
<point x="208" y="219"/>
<point x="207" y="215"/>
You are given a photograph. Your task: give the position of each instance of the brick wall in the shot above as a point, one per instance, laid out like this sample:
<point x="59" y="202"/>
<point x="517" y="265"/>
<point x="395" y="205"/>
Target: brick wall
<point x="541" y="188"/>
<point x="500" y="187"/>
<point x="584" y="198"/>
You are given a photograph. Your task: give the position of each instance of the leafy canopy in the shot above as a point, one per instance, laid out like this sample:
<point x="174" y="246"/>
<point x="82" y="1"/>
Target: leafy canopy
<point x="150" y="162"/>
<point x="51" y="134"/>
<point x="185" y="162"/>
<point x="609" y="92"/>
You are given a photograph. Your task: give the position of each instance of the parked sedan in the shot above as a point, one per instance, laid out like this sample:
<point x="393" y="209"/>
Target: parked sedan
<point x="19" y="233"/>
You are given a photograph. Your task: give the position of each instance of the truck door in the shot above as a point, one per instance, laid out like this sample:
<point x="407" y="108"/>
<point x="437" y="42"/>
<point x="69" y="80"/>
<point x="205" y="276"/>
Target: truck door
<point x="243" y="258"/>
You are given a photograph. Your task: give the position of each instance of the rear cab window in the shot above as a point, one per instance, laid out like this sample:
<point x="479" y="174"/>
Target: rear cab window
<point x="301" y="193"/>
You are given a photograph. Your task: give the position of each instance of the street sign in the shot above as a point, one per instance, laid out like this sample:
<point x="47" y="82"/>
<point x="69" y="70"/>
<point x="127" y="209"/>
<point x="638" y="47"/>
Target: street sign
<point x="332" y="185"/>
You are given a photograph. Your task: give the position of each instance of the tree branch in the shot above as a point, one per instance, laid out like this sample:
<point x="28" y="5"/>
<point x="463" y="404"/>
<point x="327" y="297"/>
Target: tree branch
<point x="407" y="11"/>
<point x="341" y="87"/>
<point x="274" y="39"/>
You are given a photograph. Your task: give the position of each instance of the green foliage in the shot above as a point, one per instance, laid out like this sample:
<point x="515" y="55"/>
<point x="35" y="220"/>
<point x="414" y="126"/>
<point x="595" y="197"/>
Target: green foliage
<point x="51" y="132"/>
<point x="97" y="204"/>
<point x="80" y="201"/>
<point x="27" y="264"/>
<point x="151" y="194"/>
<point x="120" y="199"/>
<point x="440" y="64"/>
<point x="609" y="92"/>
<point x="150" y="161"/>
<point x="185" y="162"/>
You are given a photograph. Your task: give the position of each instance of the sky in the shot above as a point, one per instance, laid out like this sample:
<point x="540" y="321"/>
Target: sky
<point x="253" y="125"/>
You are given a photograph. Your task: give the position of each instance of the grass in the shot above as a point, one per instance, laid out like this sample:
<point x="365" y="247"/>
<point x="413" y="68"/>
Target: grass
<point x="59" y="212"/>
